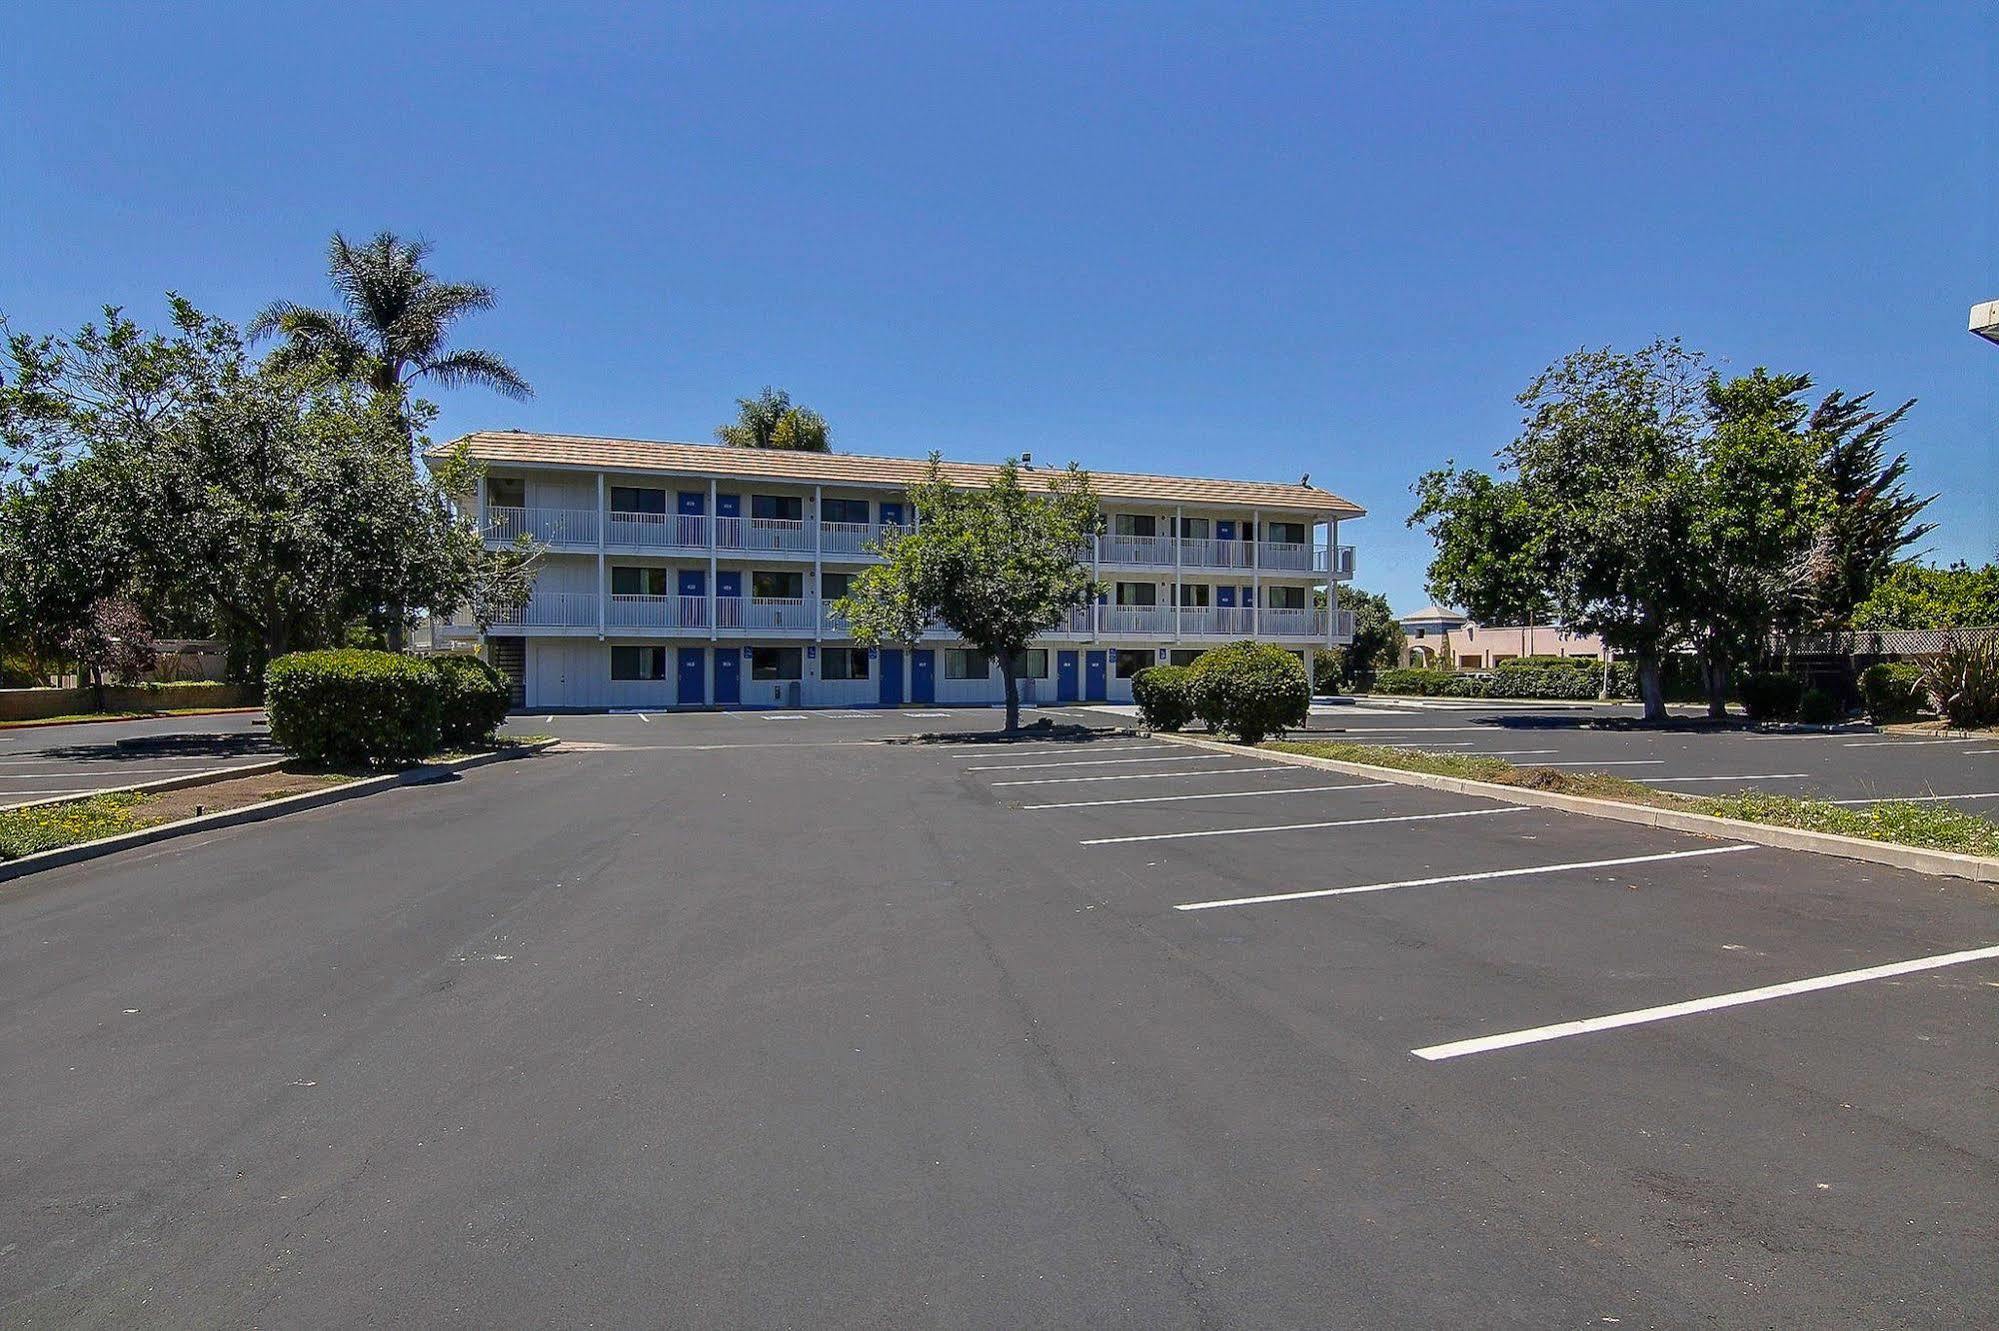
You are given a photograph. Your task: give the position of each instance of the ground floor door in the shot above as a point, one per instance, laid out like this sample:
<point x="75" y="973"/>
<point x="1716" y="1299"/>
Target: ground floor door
<point x="923" y="676"/>
<point x="728" y="677"/>
<point x="1065" y="677"/>
<point x="693" y="689"/>
<point x="1097" y="667"/>
<point x="890" y="666"/>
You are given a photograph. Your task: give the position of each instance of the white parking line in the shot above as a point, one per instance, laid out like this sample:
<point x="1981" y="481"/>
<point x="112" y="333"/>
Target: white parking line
<point x="1463" y="878"/>
<point x="1218" y="795"/>
<point x="1667" y="1011"/>
<point x="1753" y="776"/>
<point x="1973" y="752"/>
<point x="844" y="716"/>
<point x="1920" y="799"/>
<point x="1143" y="776"/>
<point x="643" y="717"/>
<point x="1080" y="747"/>
<point x="1095" y="762"/>
<point x="1877" y="743"/>
<point x="1300" y="827"/>
<point x="780" y="716"/>
<point x="926" y="714"/>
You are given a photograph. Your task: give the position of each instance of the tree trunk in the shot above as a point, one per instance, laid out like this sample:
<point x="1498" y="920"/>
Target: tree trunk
<point x="1714" y="676"/>
<point x="1009" y="662"/>
<point x="1650" y="689"/>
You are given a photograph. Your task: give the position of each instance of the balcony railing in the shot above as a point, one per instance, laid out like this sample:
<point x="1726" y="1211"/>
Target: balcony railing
<point x="1199" y="553"/>
<point x="789" y="534"/>
<point x="1135" y="549"/>
<point x="551" y="526"/>
<point x="553" y="610"/>
<point x="658" y="531"/>
<point x="657" y="612"/>
<point x="1277" y="622"/>
<point x="1229" y="621"/>
<point x="1343" y="625"/>
<point x="1135" y="619"/>
<point x="1342" y="561"/>
<point x="763" y="612"/>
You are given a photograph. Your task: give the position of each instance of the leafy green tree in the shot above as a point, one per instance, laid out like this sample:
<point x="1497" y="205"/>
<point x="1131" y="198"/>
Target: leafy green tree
<point x="1377" y="643"/>
<point x="1594" y="529"/>
<point x="393" y="323"/>
<point x="769" y="420"/>
<point x="1918" y="596"/>
<point x="996" y="566"/>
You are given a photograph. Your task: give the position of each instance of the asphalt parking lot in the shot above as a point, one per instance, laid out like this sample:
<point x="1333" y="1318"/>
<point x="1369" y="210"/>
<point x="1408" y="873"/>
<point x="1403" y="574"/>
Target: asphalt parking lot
<point x="742" y="1020"/>
<point x="1855" y="765"/>
<point x="40" y="762"/>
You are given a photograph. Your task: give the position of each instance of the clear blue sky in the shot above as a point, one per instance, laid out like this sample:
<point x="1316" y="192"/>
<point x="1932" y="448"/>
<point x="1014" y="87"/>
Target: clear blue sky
<point x="1334" y="239"/>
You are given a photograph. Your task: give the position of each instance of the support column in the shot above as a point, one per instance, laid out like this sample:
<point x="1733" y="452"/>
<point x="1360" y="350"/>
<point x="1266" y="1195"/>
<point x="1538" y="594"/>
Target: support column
<point x="714" y="521"/>
<point x="603" y="521"/>
<point x="1178" y="528"/>
<point x="818" y="566"/>
<point x="1096" y="576"/>
<point x="1256" y="573"/>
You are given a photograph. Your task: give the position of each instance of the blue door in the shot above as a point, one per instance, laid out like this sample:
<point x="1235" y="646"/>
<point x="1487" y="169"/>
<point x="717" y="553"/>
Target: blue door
<point x="1225" y="597"/>
<point x="1065" y="677"/>
<point x="890" y="666"/>
<point x="729" y="582"/>
<point x="728" y="506"/>
<point x="1096" y="666"/>
<point x="693" y="676"/>
<point x="891" y="514"/>
<point x="693" y="502"/>
<point x="728" y="677"/>
<point x="1224" y="529"/>
<point x="923" y="676"/>
<point x="693" y="582"/>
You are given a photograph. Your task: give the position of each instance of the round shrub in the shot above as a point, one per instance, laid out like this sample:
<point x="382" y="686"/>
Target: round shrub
<point x="1250" y="690"/>
<point x="1817" y="708"/>
<point x="1771" y="695"/>
<point x="474" y="697"/>
<point x="1893" y="691"/>
<point x="1163" y="695"/>
<point x="352" y="707"/>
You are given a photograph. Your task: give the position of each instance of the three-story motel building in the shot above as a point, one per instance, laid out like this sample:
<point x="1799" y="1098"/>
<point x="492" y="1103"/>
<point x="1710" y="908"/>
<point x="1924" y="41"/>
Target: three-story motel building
<point x="695" y="575"/>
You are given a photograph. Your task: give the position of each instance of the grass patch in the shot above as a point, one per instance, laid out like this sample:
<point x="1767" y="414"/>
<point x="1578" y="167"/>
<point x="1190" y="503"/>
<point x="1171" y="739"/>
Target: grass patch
<point x="53" y="826"/>
<point x="1929" y="826"/>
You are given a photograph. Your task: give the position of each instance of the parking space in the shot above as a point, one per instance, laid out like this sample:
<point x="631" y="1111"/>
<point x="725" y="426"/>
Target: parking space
<point x="1853" y="766"/>
<point x="43" y="762"/>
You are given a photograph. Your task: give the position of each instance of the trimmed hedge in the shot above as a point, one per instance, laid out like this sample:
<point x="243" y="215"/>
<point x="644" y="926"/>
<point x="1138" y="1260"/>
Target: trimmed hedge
<point x="351" y="707"/>
<point x="1817" y="708"/>
<point x="1164" y="696"/>
<point x="1893" y="691"/>
<point x="1770" y="695"/>
<point x="474" y="697"/>
<point x="1579" y="679"/>
<point x="1249" y="690"/>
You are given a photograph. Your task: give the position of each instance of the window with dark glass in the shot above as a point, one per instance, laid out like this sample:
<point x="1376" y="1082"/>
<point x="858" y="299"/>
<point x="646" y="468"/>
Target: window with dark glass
<point x="832" y="586"/>
<point x="506" y="492"/>
<point x="1195" y="529"/>
<point x="1136" y="524"/>
<point x="843" y="663"/>
<point x="769" y="583"/>
<point x="1284" y="598"/>
<point x="789" y="508"/>
<point x="1195" y="594"/>
<point x="843" y="510"/>
<point x="1183" y="657"/>
<point x="1034" y="663"/>
<point x="638" y="663"/>
<point x="1130" y="662"/>
<point x="1284" y="533"/>
<point x="777" y="662"/>
<point x="1137" y="593"/>
<point x="637" y="499"/>
<point x="627" y="580"/>
<point x="963" y="663"/>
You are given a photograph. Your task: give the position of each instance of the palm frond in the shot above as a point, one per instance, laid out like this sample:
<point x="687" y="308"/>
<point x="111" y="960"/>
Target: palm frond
<point x="483" y="368"/>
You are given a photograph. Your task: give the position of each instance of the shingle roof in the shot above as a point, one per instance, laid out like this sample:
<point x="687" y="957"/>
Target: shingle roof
<point x="1432" y="612"/>
<point x="588" y="453"/>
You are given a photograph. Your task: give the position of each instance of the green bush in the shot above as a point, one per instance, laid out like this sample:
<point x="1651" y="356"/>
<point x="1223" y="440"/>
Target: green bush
<point x="1164" y="696"/>
<point x="1963" y="680"/>
<point x="1893" y="691"/>
<point x="474" y="697"/>
<point x="351" y="707"/>
<point x="1515" y="680"/>
<point x="1817" y="708"/>
<point x="1249" y="690"/>
<point x="1771" y="695"/>
<point x="1421" y="683"/>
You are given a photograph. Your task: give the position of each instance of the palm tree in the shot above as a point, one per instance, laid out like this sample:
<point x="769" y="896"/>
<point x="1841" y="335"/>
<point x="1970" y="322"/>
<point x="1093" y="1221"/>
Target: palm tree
<point x="393" y="323"/>
<point x="768" y="420"/>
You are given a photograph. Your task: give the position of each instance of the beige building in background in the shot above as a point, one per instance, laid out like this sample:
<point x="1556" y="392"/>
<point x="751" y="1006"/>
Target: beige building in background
<point x="1440" y="639"/>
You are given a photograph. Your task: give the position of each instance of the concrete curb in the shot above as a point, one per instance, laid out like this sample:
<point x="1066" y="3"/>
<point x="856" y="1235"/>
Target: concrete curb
<point x="203" y="778"/>
<point x="1914" y="858"/>
<point x="257" y="813"/>
<point x="196" y="714"/>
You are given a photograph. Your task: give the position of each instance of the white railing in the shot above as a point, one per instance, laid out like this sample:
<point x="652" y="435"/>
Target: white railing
<point x="551" y="526"/>
<point x="1285" y="554"/>
<point x="656" y="612"/>
<point x="553" y="610"/>
<point x="1342" y="566"/>
<point x="1343" y="625"/>
<point x="1135" y="618"/>
<point x="776" y="612"/>
<point x="1135" y="549"/>
<point x="847" y="538"/>
<point x="789" y="534"/>
<point x="1201" y="553"/>
<point x="1274" y="622"/>
<point x="1230" y="621"/>
<point x="659" y="531"/>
